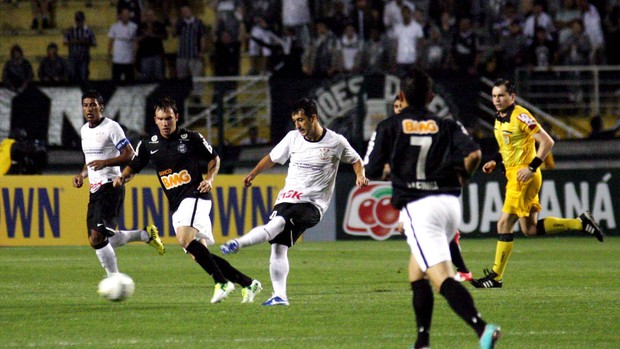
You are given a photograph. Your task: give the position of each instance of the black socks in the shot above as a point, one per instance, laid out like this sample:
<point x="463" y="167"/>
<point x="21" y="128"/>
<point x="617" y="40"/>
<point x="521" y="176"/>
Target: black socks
<point x="423" y="310"/>
<point x="205" y="259"/>
<point x="231" y="273"/>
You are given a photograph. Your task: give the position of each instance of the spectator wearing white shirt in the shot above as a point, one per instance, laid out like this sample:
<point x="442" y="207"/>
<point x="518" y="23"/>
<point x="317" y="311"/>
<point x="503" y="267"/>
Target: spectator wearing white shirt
<point x="593" y="29"/>
<point x="563" y="18"/>
<point x="409" y="36"/>
<point x="259" y="51"/>
<point x="350" y="47"/>
<point x="296" y="16"/>
<point x="122" y="47"/>
<point x="538" y="18"/>
<point x="392" y="13"/>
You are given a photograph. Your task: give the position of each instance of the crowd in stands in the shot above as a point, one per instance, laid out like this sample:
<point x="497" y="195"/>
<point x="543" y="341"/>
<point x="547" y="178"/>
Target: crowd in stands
<point x="330" y="37"/>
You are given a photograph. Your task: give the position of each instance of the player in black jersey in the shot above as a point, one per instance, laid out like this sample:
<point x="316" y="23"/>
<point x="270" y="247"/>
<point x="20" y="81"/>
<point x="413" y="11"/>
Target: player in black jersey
<point x="430" y="159"/>
<point x="462" y="272"/>
<point x="176" y="154"/>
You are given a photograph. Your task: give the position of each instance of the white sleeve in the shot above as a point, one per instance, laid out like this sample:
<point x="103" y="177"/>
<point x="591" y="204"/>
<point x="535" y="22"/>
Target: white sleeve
<point x="349" y="155"/>
<point x="117" y="136"/>
<point x="282" y="151"/>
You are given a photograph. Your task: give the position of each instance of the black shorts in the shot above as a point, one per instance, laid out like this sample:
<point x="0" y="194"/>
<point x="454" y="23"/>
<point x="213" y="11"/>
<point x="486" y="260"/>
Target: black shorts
<point x="104" y="207"/>
<point x="298" y="218"/>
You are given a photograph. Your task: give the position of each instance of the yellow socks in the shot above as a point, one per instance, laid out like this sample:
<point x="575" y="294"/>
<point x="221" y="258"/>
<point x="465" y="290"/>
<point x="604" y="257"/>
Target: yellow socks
<point x="502" y="253"/>
<point x="551" y="225"/>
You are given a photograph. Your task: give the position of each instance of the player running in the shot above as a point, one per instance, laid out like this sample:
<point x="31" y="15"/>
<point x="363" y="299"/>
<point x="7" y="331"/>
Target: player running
<point x="176" y="154"/>
<point x="105" y="149"/>
<point x="430" y="159"/>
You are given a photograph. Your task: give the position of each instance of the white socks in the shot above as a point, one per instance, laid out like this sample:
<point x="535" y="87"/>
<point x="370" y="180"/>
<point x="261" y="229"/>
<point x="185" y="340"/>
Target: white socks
<point x="262" y="232"/>
<point x="122" y="237"/>
<point x="107" y="257"/>
<point x="278" y="269"/>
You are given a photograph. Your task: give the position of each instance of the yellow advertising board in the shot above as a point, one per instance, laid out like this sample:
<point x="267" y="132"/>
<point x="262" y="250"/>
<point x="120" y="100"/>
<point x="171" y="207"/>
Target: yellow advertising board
<point x="48" y="210"/>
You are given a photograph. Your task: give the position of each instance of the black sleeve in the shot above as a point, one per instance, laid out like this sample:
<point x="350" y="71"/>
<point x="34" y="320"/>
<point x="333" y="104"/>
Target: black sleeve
<point x="462" y="142"/>
<point x="379" y="150"/>
<point x="141" y="157"/>
<point x="203" y="149"/>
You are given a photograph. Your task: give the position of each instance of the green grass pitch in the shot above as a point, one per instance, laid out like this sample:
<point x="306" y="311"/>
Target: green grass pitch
<point x="558" y="293"/>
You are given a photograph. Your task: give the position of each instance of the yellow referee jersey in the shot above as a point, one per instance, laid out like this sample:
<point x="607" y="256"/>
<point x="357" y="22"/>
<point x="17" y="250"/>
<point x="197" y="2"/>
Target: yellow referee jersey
<point x="514" y="134"/>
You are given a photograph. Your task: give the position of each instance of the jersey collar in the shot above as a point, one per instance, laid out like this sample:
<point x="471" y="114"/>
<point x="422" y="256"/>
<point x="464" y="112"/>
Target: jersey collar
<point x="174" y="135"/>
<point x="98" y="122"/>
<point x="320" y="138"/>
<point x="506" y="118"/>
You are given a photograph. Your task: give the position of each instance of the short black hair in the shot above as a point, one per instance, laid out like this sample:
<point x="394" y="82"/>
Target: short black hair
<point x="93" y="94"/>
<point x="79" y="16"/>
<point x="165" y="103"/>
<point x="510" y="87"/>
<point x="305" y="106"/>
<point x="416" y="86"/>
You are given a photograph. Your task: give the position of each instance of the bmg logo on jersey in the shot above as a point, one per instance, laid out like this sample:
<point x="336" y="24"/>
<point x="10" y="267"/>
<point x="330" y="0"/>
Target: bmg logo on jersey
<point x="370" y="213"/>
<point x="172" y="180"/>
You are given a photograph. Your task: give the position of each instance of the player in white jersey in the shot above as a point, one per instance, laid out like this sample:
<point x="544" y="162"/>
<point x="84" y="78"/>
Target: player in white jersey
<point x="314" y="154"/>
<point x="105" y="149"/>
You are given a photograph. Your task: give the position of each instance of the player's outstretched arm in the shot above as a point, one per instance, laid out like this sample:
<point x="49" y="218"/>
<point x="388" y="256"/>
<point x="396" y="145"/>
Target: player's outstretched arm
<point x="360" y="180"/>
<point x="472" y="161"/>
<point x="213" y="167"/>
<point x="470" y="164"/>
<point x="263" y="164"/>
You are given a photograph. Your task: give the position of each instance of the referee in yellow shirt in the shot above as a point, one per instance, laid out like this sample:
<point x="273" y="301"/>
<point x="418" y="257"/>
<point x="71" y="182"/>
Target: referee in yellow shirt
<point x="517" y="133"/>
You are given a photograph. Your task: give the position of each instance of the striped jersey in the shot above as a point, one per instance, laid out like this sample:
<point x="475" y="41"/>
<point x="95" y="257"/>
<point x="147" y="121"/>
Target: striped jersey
<point x="80" y="50"/>
<point x="189" y="33"/>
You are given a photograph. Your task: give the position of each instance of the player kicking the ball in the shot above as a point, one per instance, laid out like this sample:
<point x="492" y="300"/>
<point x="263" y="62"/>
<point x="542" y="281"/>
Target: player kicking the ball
<point x="314" y="153"/>
<point x="105" y="148"/>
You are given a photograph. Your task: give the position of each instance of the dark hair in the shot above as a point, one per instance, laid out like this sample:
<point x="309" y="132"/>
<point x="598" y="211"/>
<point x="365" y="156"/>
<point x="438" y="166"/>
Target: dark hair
<point x="305" y="106"/>
<point x="416" y="86"/>
<point x="510" y="87"/>
<point x="79" y="16"/>
<point x="16" y="48"/>
<point x="52" y="45"/>
<point x="165" y="103"/>
<point x="596" y="123"/>
<point x="93" y="94"/>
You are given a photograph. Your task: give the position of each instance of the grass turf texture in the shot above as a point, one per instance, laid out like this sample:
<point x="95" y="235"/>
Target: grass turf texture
<point x="558" y="293"/>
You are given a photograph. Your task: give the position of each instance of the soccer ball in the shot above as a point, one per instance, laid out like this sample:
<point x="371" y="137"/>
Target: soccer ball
<point x="116" y="288"/>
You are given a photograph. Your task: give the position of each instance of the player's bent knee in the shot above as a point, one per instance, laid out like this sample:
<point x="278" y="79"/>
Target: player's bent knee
<point x="185" y="237"/>
<point x="275" y="226"/>
<point x="96" y="238"/>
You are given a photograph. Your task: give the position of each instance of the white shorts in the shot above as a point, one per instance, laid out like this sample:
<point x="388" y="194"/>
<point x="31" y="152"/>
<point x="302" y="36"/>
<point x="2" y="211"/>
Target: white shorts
<point x="430" y="224"/>
<point x="194" y="212"/>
